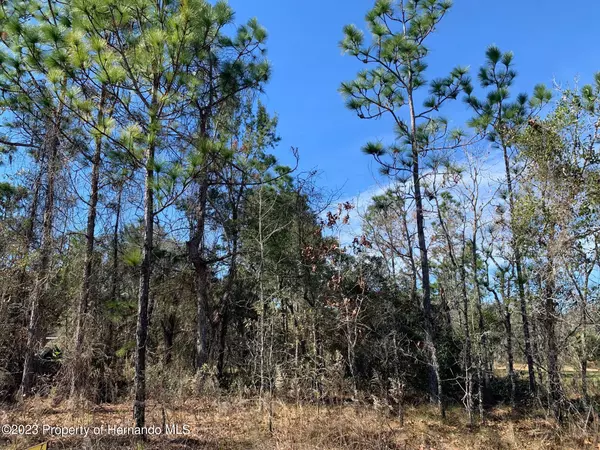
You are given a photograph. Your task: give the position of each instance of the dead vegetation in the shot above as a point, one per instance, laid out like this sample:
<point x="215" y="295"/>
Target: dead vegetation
<point x="228" y="423"/>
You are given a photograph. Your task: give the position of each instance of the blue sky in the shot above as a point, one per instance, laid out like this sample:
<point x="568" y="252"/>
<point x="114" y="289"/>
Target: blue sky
<point x="550" y="39"/>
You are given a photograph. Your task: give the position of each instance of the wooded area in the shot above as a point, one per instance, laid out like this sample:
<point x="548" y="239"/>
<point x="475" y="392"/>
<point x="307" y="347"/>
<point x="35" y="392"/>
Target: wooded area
<point x="152" y="247"/>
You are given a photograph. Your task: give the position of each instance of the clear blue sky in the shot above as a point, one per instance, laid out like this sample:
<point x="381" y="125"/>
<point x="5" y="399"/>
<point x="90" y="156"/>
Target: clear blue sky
<point x="550" y="39"/>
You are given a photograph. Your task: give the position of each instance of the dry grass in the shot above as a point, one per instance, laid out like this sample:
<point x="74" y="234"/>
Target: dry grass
<point x="240" y="424"/>
<point x="522" y="367"/>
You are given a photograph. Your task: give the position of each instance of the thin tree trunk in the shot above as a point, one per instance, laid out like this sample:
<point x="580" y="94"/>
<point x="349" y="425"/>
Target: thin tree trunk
<point x="114" y="276"/>
<point x="482" y="361"/>
<point x="554" y="384"/>
<point x="509" y="342"/>
<point x="40" y="288"/>
<point x="411" y="259"/>
<point x="584" y="352"/>
<point x="460" y="268"/>
<point x="84" y="295"/>
<point x="535" y="346"/>
<point x="223" y="326"/>
<point x="17" y="309"/>
<point x="468" y="346"/>
<point x="30" y="230"/>
<point x="139" y="408"/>
<point x="435" y="382"/>
<point x="201" y="274"/>
<point x="229" y="294"/>
<point x="510" y="355"/>
<point x="504" y="309"/>
<point x="110" y="344"/>
<point x="520" y="277"/>
<point x="168" y="327"/>
<point x="509" y="338"/>
<point x="261" y="296"/>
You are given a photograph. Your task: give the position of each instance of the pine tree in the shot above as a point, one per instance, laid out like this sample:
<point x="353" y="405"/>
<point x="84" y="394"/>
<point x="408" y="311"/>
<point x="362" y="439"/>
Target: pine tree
<point x="397" y="53"/>
<point x="501" y="120"/>
<point x="149" y="46"/>
<point x="225" y="69"/>
<point x="35" y="48"/>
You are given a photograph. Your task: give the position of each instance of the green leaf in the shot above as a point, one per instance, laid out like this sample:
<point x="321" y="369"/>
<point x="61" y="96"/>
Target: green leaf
<point x="374" y="149"/>
<point x="493" y="54"/>
<point x="133" y="257"/>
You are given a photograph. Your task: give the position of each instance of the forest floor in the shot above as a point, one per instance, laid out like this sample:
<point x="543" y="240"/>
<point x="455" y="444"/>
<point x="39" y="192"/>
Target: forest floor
<point x="240" y="424"/>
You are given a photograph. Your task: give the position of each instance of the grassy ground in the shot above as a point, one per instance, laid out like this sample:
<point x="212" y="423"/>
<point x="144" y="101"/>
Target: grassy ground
<point x="240" y="424"/>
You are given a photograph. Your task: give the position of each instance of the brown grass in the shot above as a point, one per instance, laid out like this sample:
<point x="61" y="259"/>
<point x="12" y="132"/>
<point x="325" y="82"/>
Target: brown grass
<point x="241" y="424"/>
<point x="522" y="367"/>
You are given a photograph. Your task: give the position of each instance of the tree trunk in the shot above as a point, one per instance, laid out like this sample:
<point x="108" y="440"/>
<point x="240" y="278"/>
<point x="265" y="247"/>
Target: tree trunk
<point x="435" y="383"/>
<point x="482" y="374"/>
<point x="20" y="295"/>
<point x="139" y="408"/>
<point x="411" y="259"/>
<point x="229" y="294"/>
<point x="114" y="276"/>
<point x="504" y="309"/>
<point x="460" y="268"/>
<point x="201" y="274"/>
<point x="554" y="384"/>
<point x="40" y="287"/>
<point x="223" y="326"/>
<point x="468" y="346"/>
<point x="520" y="278"/>
<point x="535" y="347"/>
<point x="168" y="327"/>
<point x="84" y="296"/>
<point x="510" y="355"/>
<point x="584" y="352"/>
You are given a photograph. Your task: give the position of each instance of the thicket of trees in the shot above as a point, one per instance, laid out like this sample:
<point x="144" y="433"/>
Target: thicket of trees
<point x="150" y="242"/>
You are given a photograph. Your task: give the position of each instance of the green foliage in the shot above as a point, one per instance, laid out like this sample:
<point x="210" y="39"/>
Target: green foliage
<point x="496" y="116"/>
<point x="11" y="197"/>
<point x="123" y="351"/>
<point x="396" y="53"/>
<point x="166" y="95"/>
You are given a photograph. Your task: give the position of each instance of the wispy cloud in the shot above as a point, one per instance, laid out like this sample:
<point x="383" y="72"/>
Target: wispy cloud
<point x="491" y="174"/>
